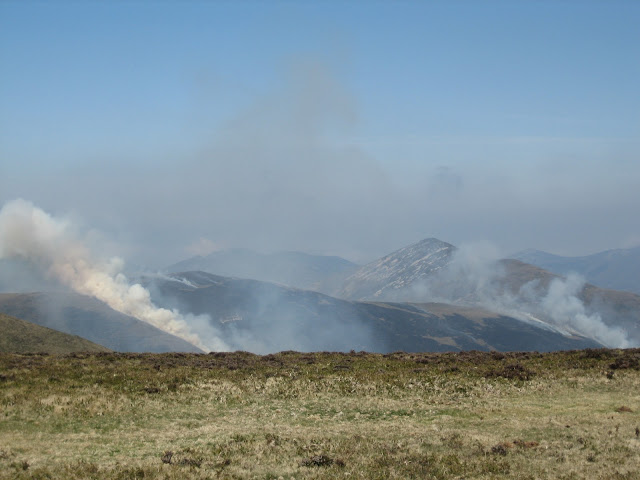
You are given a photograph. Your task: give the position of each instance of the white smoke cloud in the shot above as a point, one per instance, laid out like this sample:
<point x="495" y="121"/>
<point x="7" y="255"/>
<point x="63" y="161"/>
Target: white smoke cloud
<point x="485" y="282"/>
<point x="27" y="232"/>
<point x="474" y="276"/>
<point x="562" y="305"/>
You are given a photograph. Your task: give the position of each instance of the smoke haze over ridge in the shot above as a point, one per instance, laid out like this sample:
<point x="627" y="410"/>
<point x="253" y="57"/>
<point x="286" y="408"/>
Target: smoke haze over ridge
<point x="556" y="302"/>
<point x="29" y="233"/>
<point x="474" y="275"/>
<point x="55" y="249"/>
<point x="329" y="129"/>
<point x="471" y="275"/>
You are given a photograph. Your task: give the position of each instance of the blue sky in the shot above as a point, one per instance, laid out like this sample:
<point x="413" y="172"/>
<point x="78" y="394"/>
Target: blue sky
<point x="351" y="128"/>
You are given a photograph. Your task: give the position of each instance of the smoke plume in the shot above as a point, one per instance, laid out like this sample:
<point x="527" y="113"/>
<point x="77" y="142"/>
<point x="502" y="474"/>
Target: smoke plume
<point x="562" y="305"/>
<point x="475" y="276"/>
<point x="556" y="301"/>
<point x="50" y="244"/>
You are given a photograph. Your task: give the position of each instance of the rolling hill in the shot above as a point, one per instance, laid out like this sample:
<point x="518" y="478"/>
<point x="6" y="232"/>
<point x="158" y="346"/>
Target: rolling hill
<point x="263" y="317"/>
<point x="294" y="269"/>
<point x="91" y="319"/>
<point x="424" y="297"/>
<point x="20" y="336"/>
<point x="617" y="269"/>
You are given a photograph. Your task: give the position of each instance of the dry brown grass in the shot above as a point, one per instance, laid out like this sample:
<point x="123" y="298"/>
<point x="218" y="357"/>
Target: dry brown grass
<point x="321" y="415"/>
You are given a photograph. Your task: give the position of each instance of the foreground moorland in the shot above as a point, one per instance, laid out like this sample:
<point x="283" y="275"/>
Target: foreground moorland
<point x="321" y="415"/>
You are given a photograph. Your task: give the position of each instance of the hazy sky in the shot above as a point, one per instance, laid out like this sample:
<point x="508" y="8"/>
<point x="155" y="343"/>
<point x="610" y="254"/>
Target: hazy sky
<point x="348" y="128"/>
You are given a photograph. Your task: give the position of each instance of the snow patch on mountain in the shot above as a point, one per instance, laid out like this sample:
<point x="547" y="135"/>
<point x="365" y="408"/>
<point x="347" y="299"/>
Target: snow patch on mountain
<point x="398" y="270"/>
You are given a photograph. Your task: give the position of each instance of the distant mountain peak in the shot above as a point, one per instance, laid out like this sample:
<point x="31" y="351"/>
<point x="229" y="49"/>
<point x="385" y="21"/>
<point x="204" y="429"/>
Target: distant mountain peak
<point x="398" y="270"/>
<point x="430" y="240"/>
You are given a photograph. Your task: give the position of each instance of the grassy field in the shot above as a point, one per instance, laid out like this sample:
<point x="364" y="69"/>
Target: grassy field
<point x="563" y="415"/>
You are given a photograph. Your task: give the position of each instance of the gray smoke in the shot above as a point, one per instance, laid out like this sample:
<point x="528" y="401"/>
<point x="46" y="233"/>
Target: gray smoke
<point x="264" y="317"/>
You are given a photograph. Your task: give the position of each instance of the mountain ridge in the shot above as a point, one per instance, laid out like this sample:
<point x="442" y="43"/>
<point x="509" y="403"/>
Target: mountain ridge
<point x="615" y="269"/>
<point x="296" y="269"/>
<point x="388" y="304"/>
<point x="265" y="317"/>
<point x="432" y="270"/>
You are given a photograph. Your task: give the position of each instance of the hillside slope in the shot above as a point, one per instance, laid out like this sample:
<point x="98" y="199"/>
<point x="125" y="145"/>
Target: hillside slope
<point x="20" y="336"/>
<point x="263" y="317"/>
<point x="91" y="319"/>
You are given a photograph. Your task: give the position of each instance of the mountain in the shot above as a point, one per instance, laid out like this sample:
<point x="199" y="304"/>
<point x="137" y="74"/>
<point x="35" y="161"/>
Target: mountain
<point x="20" y="336"/>
<point x="435" y="271"/>
<point x="91" y="319"/>
<point x="614" y="269"/>
<point x="301" y="270"/>
<point x="397" y="272"/>
<point x="264" y="317"/>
